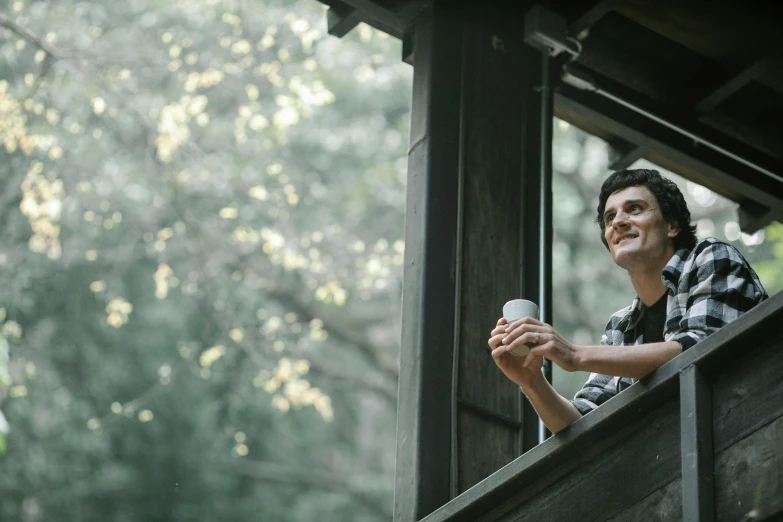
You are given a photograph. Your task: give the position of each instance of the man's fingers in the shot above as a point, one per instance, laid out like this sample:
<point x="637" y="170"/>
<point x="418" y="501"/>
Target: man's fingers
<point x="495" y="341"/>
<point x="538" y="351"/>
<point x="520" y="340"/>
<point x="498" y="331"/>
<point x="522" y="330"/>
<point x="525" y="320"/>
<point x="502" y="320"/>
<point x="497" y="352"/>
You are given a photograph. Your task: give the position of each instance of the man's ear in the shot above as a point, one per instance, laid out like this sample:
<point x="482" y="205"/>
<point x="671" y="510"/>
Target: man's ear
<point x="674" y="229"/>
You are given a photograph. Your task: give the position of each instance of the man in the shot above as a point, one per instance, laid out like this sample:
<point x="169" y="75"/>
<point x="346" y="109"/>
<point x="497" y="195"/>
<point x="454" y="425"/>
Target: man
<point x="685" y="290"/>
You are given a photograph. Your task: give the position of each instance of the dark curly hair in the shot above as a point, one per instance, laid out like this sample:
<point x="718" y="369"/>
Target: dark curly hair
<point x="670" y="200"/>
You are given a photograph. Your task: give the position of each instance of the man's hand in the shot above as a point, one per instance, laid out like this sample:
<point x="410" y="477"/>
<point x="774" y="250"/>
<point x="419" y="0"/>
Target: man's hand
<point x="556" y="411"/>
<point x="550" y="344"/>
<point x="511" y="365"/>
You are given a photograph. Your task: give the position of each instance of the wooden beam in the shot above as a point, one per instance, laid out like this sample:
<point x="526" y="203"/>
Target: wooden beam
<point x="424" y="426"/>
<point x="341" y="19"/>
<point x="715" y="95"/>
<point x="720" y="173"/>
<point x="503" y="148"/>
<point x="623" y="154"/>
<point x="580" y="27"/>
<point x="380" y="17"/>
<point x="754" y="217"/>
<point x="408" y="47"/>
<point x="698" y="488"/>
<point x="725" y="88"/>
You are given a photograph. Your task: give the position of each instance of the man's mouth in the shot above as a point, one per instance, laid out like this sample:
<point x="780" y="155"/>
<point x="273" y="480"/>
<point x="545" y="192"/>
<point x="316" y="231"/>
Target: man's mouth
<point x="623" y="238"/>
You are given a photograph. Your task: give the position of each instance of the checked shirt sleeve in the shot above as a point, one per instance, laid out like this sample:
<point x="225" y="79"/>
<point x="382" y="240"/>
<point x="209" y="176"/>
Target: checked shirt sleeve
<point x="718" y="287"/>
<point x="598" y="389"/>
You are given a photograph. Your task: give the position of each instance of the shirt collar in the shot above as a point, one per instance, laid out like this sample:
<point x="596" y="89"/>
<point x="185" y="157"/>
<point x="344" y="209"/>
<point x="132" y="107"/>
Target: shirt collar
<point x="673" y="269"/>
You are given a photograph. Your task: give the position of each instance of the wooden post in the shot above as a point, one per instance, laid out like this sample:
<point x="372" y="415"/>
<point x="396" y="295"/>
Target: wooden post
<point x="422" y="482"/>
<point x="698" y="490"/>
<point x="472" y="230"/>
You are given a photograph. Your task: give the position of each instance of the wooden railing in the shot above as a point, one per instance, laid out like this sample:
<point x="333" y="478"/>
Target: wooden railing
<point x="701" y="438"/>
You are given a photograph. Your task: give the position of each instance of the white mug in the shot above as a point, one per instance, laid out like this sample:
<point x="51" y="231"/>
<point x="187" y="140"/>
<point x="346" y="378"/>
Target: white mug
<point x="517" y="309"/>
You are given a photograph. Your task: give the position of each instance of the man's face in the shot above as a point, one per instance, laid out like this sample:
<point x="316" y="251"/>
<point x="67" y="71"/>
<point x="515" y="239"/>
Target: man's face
<point x="635" y="230"/>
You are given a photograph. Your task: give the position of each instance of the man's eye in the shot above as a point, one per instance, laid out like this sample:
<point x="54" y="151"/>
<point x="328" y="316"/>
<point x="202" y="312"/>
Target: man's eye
<point x="609" y="218"/>
<point x="635" y="208"/>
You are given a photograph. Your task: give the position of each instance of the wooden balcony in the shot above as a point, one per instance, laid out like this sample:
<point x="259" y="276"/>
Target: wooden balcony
<point x="701" y="438"/>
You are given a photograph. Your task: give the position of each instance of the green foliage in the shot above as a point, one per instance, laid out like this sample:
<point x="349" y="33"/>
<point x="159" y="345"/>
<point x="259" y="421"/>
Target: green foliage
<point x="202" y="204"/>
<point x="203" y="207"/>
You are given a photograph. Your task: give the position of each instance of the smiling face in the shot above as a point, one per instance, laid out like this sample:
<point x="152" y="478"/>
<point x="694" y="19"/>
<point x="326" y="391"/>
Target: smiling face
<point x="637" y="235"/>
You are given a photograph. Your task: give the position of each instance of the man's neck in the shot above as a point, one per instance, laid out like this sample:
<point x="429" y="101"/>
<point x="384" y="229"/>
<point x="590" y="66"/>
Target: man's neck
<point x="647" y="282"/>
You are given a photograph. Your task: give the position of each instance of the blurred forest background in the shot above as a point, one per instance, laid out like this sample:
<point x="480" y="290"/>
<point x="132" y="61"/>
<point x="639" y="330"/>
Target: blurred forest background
<point x="202" y="208"/>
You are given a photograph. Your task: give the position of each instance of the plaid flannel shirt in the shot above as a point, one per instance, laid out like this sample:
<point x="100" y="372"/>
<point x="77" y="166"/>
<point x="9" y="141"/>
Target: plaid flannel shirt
<point x="708" y="288"/>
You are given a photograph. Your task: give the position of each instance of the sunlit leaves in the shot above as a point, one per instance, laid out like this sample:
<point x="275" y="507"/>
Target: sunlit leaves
<point x="209" y="356"/>
<point x="259" y="192"/>
<point x="98" y="105"/>
<point x="41" y="204"/>
<point x="296" y="391"/>
<point x="118" y="312"/>
<point x="203" y="80"/>
<point x="331" y="292"/>
<point x="164" y="279"/>
<point x="173" y="129"/>
<point x="13" y="124"/>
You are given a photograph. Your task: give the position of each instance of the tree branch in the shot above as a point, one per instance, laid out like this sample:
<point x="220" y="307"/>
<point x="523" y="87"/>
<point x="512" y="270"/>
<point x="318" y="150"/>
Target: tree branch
<point x="343" y="332"/>
<point x="57" y="54"/>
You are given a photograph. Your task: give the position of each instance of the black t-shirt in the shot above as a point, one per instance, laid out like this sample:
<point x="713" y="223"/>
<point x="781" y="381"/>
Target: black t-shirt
<point x="654" y="320"/>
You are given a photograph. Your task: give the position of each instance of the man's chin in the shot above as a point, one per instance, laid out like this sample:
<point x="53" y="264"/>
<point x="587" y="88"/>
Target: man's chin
<point x="623" y="258"/>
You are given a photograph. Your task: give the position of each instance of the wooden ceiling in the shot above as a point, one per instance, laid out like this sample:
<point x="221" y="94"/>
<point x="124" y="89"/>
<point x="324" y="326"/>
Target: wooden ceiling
<point x="713" y="69"/>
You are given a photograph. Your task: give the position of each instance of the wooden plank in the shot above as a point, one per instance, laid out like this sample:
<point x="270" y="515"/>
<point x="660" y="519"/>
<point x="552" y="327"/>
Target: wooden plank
<point x="485" y="443"/>
<point x="698" y="493"/>
<point x="638" y="464"/>
<point x="429" y="286"/>
<point x="749" y="116"/>
<point x="748" y="393"/>
<point x="749" y="476"/>
<point x="663" y="504"/>
<point x="722" y="90"/>
<point x="568" y="446"/>
<point x="492" y="130"/>
<point x="727" y="32"/>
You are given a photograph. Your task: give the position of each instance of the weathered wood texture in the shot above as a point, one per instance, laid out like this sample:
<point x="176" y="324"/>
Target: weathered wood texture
<point x="614" y="480"/>
<point x="698" y="491"/>
<point x="663" y="504"/>
<point x="459" y="418"/>
<point x="622" y="461"/>
<point x="485" y="443"/>
<point x="429" y="286"/>
<point x="494" y="179"/>
<point x="748" y="433"/>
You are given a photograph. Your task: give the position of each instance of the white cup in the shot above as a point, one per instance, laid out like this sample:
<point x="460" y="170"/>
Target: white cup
<point x="517" y="309"/>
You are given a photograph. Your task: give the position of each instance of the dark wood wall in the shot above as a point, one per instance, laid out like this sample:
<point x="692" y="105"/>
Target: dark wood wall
<point x="472" y="204"/>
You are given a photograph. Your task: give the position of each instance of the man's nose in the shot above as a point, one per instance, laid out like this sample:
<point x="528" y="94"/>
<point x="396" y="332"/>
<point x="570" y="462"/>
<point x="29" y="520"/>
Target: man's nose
<point x="620" y="220"/>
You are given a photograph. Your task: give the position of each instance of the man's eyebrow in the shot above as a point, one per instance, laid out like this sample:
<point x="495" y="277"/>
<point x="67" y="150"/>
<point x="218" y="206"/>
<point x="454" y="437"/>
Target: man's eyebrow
<point x="626" y="202"/>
